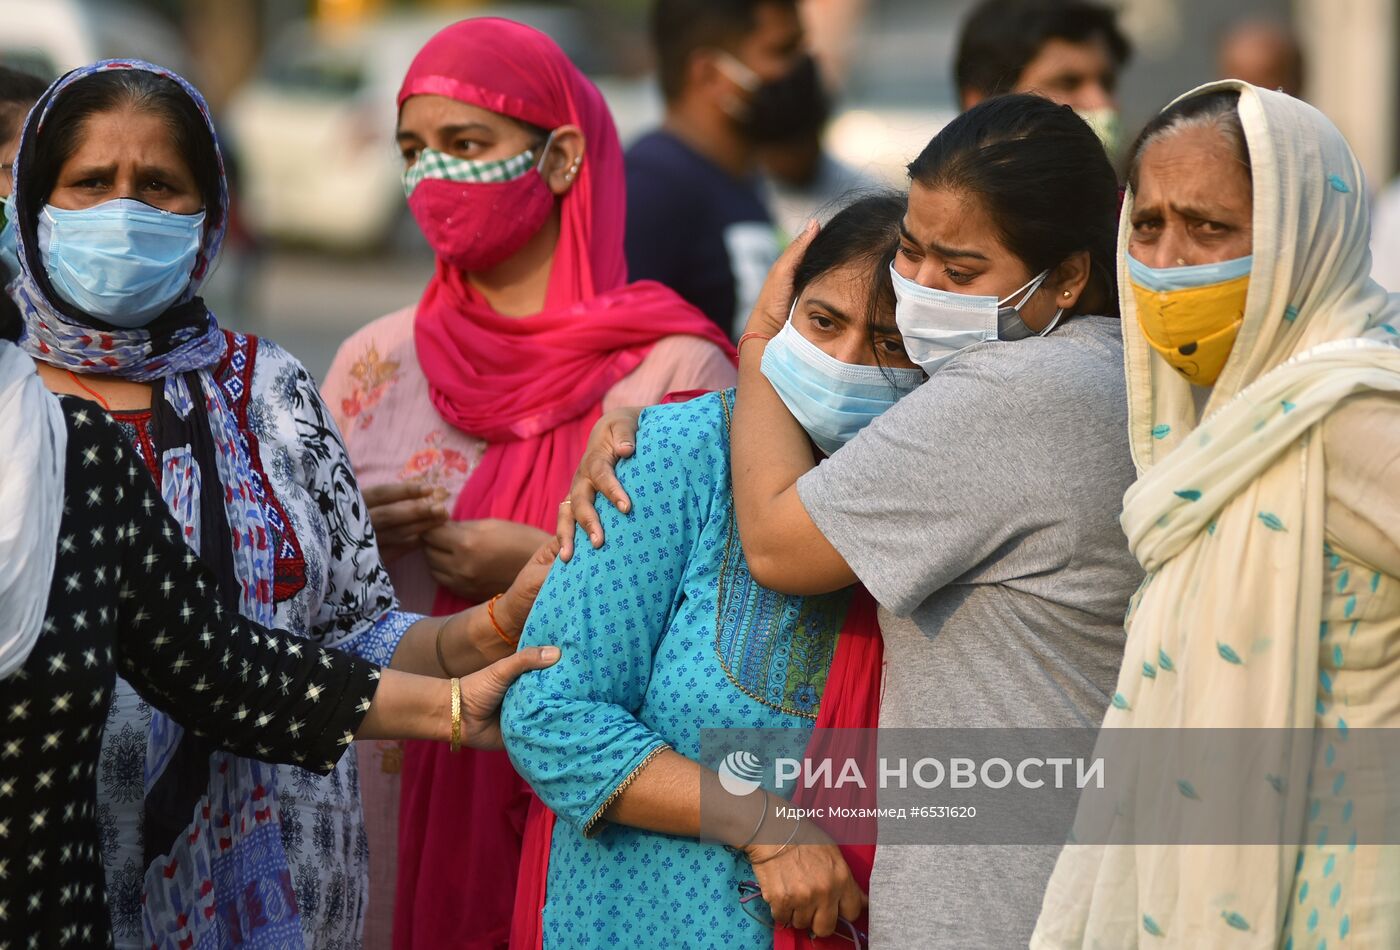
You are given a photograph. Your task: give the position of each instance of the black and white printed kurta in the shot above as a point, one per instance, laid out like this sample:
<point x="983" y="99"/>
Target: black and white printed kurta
<point x="330" y="588"/>
<point x="129" y="597"/>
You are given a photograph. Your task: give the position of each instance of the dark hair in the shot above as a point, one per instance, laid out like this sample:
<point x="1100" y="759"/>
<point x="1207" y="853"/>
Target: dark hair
<point x="1219" y="110"/>
<point x="10" y="322"/>
<point x="113" y="89"/>
<point x="1043" y="178"/>
<point x="866" y="231"/>
<point x="18" y="93"/>
<point x="680" y="28"/>
<point x="1001" y="37"/>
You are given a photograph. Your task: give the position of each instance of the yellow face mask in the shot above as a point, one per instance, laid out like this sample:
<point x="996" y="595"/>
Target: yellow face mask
<point x="1191" y="315"/>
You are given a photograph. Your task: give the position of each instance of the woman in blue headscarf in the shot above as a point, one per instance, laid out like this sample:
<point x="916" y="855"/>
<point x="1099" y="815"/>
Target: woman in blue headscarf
<point x="121" y="206"/>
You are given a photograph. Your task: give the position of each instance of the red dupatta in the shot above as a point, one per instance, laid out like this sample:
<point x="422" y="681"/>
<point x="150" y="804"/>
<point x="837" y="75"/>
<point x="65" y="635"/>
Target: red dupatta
<point x="851" y="702"/>
<point x="531" y="388"/>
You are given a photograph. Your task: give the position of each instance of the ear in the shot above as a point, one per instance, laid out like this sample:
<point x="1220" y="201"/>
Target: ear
<point x="561" y="164"/>
<point x="702" y="71"/>
<point x="1069" y="280"/>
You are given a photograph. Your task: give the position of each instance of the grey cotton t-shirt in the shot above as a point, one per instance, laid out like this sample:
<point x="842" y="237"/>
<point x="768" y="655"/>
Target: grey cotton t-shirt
<point x="981" y="511"/>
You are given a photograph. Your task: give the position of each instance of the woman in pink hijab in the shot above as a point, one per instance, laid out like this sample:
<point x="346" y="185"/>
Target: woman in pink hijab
<point x="466" y="414"/>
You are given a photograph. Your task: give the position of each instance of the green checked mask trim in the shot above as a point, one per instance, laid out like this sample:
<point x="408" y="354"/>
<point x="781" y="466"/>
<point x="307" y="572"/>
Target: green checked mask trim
<point x="434" y="164"/>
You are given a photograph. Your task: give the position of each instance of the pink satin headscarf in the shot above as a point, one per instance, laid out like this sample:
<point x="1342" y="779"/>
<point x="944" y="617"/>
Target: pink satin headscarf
<point x="518" y="71"/>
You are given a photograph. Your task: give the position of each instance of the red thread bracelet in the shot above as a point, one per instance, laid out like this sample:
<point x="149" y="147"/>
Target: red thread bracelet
<point x="751" y="335"/>
<point x="491" y="615"/>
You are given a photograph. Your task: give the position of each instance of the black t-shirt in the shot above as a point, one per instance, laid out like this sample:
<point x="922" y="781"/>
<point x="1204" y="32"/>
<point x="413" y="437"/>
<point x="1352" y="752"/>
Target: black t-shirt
<point x="697" y="229"/>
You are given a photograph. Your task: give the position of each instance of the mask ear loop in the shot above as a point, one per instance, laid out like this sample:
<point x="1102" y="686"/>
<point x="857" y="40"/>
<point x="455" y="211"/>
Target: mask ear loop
<point x="544" y="150"/>
<point x="747" y="79"/>
<point x="1030" y="287"/>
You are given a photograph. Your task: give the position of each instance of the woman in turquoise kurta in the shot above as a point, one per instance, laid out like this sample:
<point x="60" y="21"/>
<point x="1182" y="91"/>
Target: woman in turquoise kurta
<point x="664" y="633"/>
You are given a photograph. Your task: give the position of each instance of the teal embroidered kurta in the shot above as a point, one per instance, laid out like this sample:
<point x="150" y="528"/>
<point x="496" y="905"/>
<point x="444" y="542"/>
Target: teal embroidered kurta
<point x="663" y="633"/>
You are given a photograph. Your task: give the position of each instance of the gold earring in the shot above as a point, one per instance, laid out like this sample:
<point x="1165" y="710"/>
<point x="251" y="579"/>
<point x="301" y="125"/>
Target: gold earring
<point x="1065" y="294"/>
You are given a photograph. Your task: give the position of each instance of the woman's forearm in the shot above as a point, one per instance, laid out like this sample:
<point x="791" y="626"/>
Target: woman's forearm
<point x="665" y="796"/>
<point x="469" y="643"/>
<point x="406" y="706"/>
<point x="769" y="448"/>
<point x="770" y="451"/>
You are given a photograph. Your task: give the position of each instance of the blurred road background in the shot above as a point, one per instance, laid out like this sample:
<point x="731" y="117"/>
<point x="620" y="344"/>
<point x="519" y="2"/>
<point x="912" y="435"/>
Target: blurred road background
<point x="303" y="93"/>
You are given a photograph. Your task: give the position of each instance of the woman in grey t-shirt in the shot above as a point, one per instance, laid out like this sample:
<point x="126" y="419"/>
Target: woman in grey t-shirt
<point x="982" y="510"/>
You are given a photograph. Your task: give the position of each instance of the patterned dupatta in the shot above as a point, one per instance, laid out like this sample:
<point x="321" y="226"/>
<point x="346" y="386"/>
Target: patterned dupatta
<point x="1227" y="518"/>
<point x="215" y="867"/>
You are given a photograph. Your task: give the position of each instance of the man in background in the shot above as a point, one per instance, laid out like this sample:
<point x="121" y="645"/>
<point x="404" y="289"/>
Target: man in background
<point x="1069" y="51"/>
<point x="804" y="179"/>
<point x="1262" y="52"/>
<point x="696" y="219"/>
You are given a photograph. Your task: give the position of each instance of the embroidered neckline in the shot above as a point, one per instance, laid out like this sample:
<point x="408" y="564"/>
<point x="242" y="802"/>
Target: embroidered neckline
<point x="775" y="648"/>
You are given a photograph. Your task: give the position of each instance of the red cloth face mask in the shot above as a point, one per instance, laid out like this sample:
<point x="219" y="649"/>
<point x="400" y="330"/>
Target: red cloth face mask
<point x="475" y="226"/>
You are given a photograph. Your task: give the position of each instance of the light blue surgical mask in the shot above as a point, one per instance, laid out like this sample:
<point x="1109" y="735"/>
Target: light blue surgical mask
<point x="9" y="245"/>
<point x="121" y="261"/>
<point x="830" y="399"/>
<point x="936" y="324"/>
<point x="1163" y="279"/>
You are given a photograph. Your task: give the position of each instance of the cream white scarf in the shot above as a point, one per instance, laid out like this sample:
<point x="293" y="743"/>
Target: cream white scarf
<point x="1227" y="518"/>
<point x="33" y="440"/>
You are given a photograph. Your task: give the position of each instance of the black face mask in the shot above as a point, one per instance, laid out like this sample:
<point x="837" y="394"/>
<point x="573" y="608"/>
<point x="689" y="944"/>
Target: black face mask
<point x="787" y="109"/>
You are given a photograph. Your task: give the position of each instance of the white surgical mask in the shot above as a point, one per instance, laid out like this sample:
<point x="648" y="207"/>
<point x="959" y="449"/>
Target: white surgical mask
<point x="830" y="399"/>
<point x="937" y="324"/>
<point x="121" y="261"/>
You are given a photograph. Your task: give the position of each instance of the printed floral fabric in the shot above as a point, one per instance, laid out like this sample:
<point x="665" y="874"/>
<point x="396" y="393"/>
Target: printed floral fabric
<point x="369" y="377"/>
<point x="329" y="586"/>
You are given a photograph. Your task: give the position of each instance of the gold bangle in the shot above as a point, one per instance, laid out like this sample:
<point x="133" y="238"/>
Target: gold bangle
<point x="456" y="714"/>
<point x="442" y="628"/>
<point x="491" y="615"/>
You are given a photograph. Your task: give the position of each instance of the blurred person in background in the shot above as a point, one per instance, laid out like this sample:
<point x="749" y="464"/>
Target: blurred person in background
<point x="1264" y="412"/>
<point x="1069" y="51"/>
<point x="1263" y="53"/>
<point x="18" y="93"/>
<point x="696" y="219"/>
<point x="120" y="209"/>
<point x="467" y="412"/>
<point x="803" y="177"/>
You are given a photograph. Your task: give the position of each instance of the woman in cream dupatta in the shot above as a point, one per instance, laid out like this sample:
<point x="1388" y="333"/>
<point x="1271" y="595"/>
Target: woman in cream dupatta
<point x="1268" y="521"/>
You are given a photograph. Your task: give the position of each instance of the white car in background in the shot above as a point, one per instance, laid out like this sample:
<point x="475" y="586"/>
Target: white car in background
<point x="50" y="37"/>
<point x="315" y="129"/>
